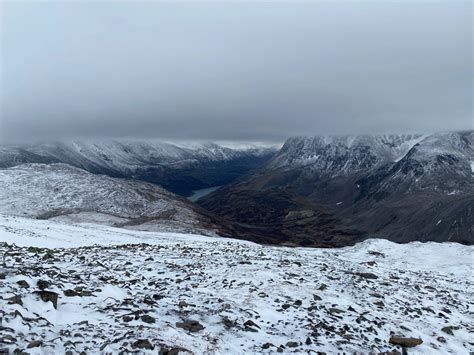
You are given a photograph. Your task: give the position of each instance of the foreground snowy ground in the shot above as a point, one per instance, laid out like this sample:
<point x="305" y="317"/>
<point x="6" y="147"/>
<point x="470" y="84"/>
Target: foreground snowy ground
<point x="122" y="290"/>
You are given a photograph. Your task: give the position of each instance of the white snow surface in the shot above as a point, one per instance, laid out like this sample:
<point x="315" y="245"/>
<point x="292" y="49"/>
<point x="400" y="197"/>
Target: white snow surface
<point x="288" y="294"/>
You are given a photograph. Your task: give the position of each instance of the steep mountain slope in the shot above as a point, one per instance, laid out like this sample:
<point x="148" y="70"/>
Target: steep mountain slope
<point x="427" y="195"/>
<point x="342" y="155"/>
<point x="180" y="168"/>
<point x="339" y="190"/>
<point x="326" y="168"/>
<point x="118" y="290"/>
<point x="60" y="191"/>
<point x="439" y="163"/>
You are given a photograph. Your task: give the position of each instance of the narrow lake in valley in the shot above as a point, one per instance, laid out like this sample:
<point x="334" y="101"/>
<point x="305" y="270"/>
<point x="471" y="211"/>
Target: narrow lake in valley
<point x="197" y="194"/>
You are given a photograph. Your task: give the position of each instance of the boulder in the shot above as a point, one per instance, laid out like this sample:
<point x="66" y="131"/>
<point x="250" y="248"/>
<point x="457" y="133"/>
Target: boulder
<point x="405" y="342"/>
<point x="190" y="325"/>
<point x="48" y="296"/>
<point x="143" y="344"/>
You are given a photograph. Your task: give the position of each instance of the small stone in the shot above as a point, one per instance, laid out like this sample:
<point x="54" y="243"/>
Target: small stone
<point x="182" y="304"/>
<point x="376" y="253"/>
<point x="308" y="341"/>
<point x="23" y="284"/>
<point x="70" y="293"/>
<point x="34" y="344"/>
<point x="148" y="319"/>
<point x="379" y="304"/>
<point x="228" y="323"/>
<point x="250" y="326"/>
<point x="441" y="339"/>
<point x="190" y="325"/>
<point x="366" y="275"/>
<point x="47" y="296"/>
<point x="267" y="345"/>
<point x="42" y="284"/>
<point x="405" y="342"/>
<point x="48" y="255"/>
<point x="322" y="287"/>
<point x="143" y="344"/>
<point x="8" y="339"/>
<point x="15" y="300"/>
<point x="449" y="329"/>
<point x="86" y="293"/>
<point x="149" y="301"/>
<point x="317" y="298"/>
<point x="292" y="344"/>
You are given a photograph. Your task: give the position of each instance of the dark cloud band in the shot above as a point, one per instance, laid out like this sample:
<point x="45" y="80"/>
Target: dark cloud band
<point x="234" y="71"/>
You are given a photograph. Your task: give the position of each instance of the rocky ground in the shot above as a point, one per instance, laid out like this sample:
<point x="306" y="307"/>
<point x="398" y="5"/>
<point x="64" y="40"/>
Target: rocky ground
<point x="192" y="294"/>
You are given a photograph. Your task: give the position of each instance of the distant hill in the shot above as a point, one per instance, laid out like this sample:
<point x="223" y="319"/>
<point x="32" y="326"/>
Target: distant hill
<point x="180" y="168"/>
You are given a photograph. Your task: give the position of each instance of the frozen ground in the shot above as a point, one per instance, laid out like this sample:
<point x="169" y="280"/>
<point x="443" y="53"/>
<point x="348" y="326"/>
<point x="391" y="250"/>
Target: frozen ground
<point x="127" y="290"/>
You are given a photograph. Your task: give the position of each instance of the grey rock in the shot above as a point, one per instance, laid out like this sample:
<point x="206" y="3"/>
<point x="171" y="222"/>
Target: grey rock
<point x="34" y="344"/>
<point x="190" y="325"/>
<point x="23" y="283"/>
<point x="143" y="344"/>
<point x="48" y="296"/>
<point x="405" y="342"/>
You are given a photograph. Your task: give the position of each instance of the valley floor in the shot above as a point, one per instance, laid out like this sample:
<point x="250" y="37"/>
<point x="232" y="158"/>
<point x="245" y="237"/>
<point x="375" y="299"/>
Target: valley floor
<point x="119" y="289"/>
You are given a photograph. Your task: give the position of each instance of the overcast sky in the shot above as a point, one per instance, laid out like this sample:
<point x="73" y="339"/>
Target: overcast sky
<point x="243" y="71"/>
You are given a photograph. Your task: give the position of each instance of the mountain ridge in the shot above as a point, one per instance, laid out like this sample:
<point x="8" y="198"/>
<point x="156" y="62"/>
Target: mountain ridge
<point x="428" y="194"/>
<point x="180" y="168"/>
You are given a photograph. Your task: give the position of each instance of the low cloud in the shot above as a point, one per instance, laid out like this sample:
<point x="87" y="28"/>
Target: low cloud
<point x="240" y="71"/>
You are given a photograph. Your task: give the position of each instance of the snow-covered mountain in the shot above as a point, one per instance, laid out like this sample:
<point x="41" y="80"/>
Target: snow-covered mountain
<point x="60" y="191"/>
<point x="401" y="187"/>
<point x="429" y="159"/>
<point x="179" y="167"/>
<point x="339" y="155"/>
<point x="440" y="162"/>
<point x="100" y="289"/>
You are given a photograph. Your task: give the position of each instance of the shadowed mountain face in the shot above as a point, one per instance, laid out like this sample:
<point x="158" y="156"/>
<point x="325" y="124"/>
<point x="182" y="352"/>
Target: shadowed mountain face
<point x="339" y="190"/>
<point x="180" y="168"/>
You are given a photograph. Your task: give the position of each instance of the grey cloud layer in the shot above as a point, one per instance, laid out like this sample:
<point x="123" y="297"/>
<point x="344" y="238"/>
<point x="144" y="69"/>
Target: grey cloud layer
<point x="235" y="70"/>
